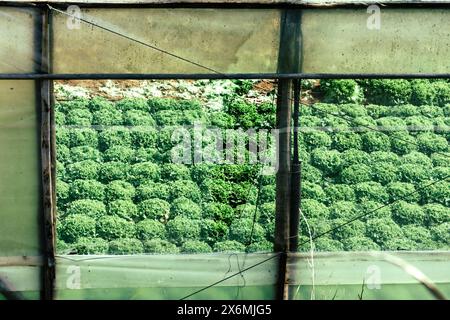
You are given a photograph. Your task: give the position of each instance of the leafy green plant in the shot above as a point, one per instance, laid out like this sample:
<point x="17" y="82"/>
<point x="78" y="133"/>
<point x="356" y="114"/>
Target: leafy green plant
<point x="126" y="246"/>
<point x="195" y="246"/>
<point x="114" y="227"/>
<point x="150" y="229"/>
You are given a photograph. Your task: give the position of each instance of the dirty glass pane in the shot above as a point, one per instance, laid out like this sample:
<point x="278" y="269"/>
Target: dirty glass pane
<point x="17" y="32"/>
<point x="19" y="188"/>
<point x="240" y="40"/>
<point x="19" y="169"/>
<point x="400" y="41"/>
<point x="165" y="277"/>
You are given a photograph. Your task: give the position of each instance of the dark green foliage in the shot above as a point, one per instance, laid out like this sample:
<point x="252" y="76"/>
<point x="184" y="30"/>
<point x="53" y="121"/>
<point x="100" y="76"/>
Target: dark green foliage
<point x="160" y="246"/>
<point x="85" y="153"/>
<point x="76" y="226"/>
<point x="441" y="233"/>
<point x="246" y="115"/>
<point x="387" y="92"/>
<point x="341" y="91"/>
<point x="422" y="92"/>
<point x="186" y="208"/>
<point x="263" y="246"/>
<point x="360" y="243"/>
<point x="184" y="188"/>
<point x="223" y="120"/>
<point x="155" y="209"/>
<point x="151" y="190"/>
<point x="368" y="210"/>
<point x="123" y="208"/>
<point x="115" y="136"/>
<point x="328" y="161"/>
<point x="113" y="170"/>
<point x="431" y="142"/>
<point x="78" y="117"/>
<point x="173" y="171"/>
<point x="313" y="191"/>
<point x="440" y="159"/>
<point x="402" y="142"/>
<point x="407" y="213"/>
<point x="336" y="192"/>
<point x="126" y="246"/>
<point x="87" y="189"/>
<point x="181" y="229"/>
<point x="435" y="192"/>
<point x="405" y="110"/>
<point x="326" y="244"/>
<point x="114" y="227"/>
<point x="144" y="137"/>
<point x="385" y="173"/>
<point x="213" y="231"/>
<point x="382" y="231"/>
<point x="148" y="155"/>
<point x="421" y="236"/>
<point x="228" y="246"/>
<point x="137" y="118"/>
<point x="134" y="104"/>
<point x="314" y="209"/>
<point x="354" y="156"/>
<point x="63" y="154"/>
<point x="119" y="153"/>
<point x="107" y="116"/>
<point x="219" y="211"/>
<point x="91" y="208"/>
<point x="62" y="192"/>
<point x="150" y="229"/>
<point x="442" y="92"/>
<point x="355" y="174"/>
<point x="317" y="227"/>
<point x="344" y="231"/>
<point x="311" y="173"/>
<point x="370" y="191"/>
<point x="87" y="169"/>
<point x="413" y="173"/>
<point x="375" y="141"/>
<point x="91" y="246"/>
<point x="119" y="190"/>
<point x="436" y="214"/>
<point x="316" y="139"/>
<point x="145" y="172"/>
<point x="245" y="231"/>
<point x="82" y="137"/>
<point x="195" y="246"/>
<point x="343" y="210"/>
<point x="97" y="104"/>
<point x="402" y="191"/>
<point x="346" y="140"/>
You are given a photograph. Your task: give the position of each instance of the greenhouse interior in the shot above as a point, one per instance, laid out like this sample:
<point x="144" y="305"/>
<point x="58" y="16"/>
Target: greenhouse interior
<point x="224" y="150"/>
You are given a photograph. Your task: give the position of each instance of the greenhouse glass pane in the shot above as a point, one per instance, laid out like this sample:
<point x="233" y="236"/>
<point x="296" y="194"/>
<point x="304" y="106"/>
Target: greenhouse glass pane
<point x="19" y="169"/>
<point x="17" y="33"/>
<point x="404" y="41"/>
<point x="19" y="188"/>
<point x="225" y="41"/>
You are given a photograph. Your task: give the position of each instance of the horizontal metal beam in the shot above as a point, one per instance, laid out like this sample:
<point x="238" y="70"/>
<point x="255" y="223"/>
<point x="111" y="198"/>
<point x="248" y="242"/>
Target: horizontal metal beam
<point x="213" y="76"/>
<point x="228" y="3"/>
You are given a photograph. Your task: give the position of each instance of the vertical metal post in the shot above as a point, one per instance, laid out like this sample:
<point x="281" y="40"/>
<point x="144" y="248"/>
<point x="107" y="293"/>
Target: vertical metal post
<point x="283" y="185"/>
<point x="296" y="172"/>
<point x="45" y="93"/>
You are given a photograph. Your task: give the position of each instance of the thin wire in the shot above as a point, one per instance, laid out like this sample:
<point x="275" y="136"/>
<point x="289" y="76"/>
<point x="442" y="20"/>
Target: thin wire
<point x="136" y="40"/>
<point x="233" y="275"/>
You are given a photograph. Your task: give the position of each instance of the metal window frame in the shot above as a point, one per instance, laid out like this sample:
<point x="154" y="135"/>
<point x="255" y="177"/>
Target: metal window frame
<point x="44" y="83"/>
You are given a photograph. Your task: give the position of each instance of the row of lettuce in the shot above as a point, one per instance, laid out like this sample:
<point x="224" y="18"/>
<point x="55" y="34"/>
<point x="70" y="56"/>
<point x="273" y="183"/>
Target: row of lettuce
<point x="118" y="193"/>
